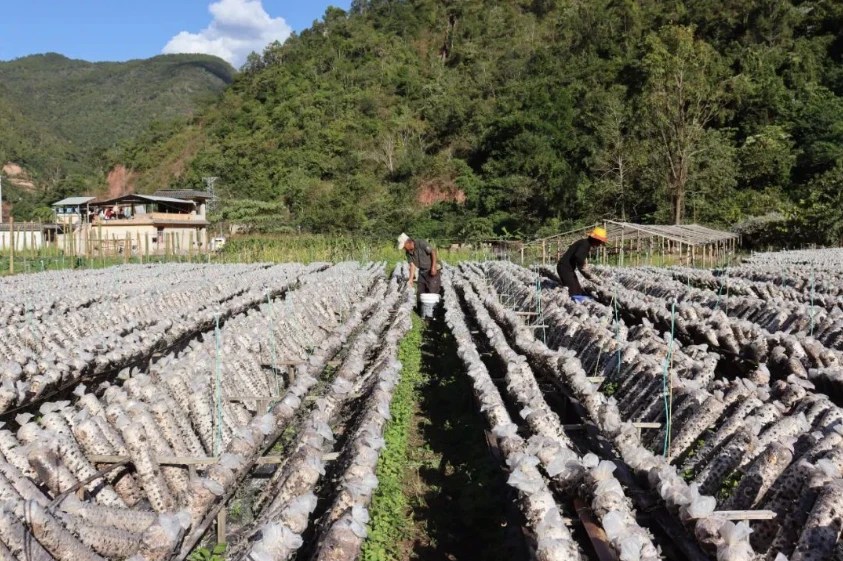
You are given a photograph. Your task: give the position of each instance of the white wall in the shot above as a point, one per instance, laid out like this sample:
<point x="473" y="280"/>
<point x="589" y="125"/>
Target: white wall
<point x="21" y="238"/>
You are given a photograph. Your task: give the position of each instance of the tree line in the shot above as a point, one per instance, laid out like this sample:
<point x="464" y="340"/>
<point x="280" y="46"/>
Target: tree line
<point x="492" y="118"/>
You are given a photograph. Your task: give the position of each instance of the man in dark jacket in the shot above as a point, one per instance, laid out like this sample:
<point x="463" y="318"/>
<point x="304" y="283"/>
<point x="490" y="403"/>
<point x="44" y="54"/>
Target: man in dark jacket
<point x="422" y="258"/>
<point x="576" y="258"/>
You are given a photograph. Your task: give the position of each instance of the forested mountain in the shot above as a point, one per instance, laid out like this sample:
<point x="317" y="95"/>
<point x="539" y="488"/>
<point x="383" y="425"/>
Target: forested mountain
<point x="473" y="118"/>
<point x="59" y="116"/>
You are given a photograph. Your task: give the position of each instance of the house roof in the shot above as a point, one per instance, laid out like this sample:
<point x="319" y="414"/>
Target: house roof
<point x="157" y="221"/>
<point x="690" y="234"/>
<point x="183" y="194"/>
<point x="74" y="201"/>
<point x="143" y="199"/>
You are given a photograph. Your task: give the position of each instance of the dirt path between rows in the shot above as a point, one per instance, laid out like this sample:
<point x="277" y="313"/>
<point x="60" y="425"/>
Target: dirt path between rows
<point x="457" y="494"/>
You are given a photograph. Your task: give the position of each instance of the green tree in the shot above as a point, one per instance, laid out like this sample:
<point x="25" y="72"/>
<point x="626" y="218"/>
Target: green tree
<point x="617" y="163"/>
<point x="685" y="93"/>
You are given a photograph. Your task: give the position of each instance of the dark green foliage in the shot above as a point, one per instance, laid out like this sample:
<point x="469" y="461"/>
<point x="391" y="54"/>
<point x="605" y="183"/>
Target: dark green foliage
<point x="94" y="105"/>
<point x="217" y="553"/>
<point x="483" y="118"/>
<point x="58" y="116"/>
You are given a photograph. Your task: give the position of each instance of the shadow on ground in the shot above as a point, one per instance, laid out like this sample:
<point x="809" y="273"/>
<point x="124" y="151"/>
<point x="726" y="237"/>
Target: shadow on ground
<point x="460" y="504"/>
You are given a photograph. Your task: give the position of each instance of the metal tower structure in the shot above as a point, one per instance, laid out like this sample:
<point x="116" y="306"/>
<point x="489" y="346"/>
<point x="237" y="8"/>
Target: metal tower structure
<point x="212" y="202"/>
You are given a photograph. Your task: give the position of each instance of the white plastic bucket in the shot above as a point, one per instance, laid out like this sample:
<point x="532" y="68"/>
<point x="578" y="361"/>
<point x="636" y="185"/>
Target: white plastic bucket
<point x="428" y="304"/>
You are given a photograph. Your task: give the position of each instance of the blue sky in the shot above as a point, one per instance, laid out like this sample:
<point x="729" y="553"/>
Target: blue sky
<point x="119" y="30"/>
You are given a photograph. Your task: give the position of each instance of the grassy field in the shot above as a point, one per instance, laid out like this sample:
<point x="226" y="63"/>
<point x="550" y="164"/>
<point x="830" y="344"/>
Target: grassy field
<point x="309" y="249"/>
<point x="302" y="249"/>
<point x="239" y="249"/>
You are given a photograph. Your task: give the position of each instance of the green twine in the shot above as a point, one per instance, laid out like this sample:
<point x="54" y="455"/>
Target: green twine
<point x="540" y="307"/>
<point x="28" y="310"/>
<point x="218" y="344"/>
<point x="727" y="294"/>
<point x="812" y="301"/>
<point x="617" y="328"/>
<point x="720" y="290"/>
<point x="665" y="377"/>
<point x="272" y="346"/>
<point x="719" y="293"/>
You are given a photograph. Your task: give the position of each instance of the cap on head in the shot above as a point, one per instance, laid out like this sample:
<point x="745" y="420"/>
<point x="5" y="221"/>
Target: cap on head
<point x="403" y="239"/>
<point x="600" y="235"/>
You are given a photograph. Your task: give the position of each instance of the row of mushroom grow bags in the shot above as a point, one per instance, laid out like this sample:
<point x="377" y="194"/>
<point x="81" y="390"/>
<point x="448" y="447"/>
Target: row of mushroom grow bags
<point x="52" y="348"/>
<point x="103" y="474"/>
<point x="776" y="445"/>
<point x="547" y="467"/>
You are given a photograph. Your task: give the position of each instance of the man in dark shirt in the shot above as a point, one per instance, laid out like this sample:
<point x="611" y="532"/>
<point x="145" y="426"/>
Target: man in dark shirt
<point x="422" y="257"/>
<point x="576" y="258"/>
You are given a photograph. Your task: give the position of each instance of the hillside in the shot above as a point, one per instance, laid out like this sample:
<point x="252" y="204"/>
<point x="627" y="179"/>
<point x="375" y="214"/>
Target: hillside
<point x="491" y="117"/>
<point x="59" y="116"/>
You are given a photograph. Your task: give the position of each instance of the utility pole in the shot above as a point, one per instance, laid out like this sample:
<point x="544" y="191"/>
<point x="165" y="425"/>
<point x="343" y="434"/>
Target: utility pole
<point x="212" y="202"/>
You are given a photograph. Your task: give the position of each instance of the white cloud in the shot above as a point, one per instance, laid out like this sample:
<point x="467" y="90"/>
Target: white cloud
<point x="238" y="28"/>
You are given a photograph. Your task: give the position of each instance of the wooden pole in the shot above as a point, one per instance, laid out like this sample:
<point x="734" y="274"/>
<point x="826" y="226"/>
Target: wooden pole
<point x="99" y="240"/>
<point x="190" y="248"/>
<point x="140" y="253"/>
<point x="72" y="242"/>
<point x="127" y="248"/>
<point x="146" y="245"/>
<point x="620" y="254"/>
<point x="12" y="245"/>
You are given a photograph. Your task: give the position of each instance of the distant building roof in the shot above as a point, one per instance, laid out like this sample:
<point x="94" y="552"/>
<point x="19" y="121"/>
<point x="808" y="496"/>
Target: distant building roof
<point x="74" y="201"/>
<point x="143" y="199"/>
<point x="160" y="221"/>
<point x="183" y="194"/>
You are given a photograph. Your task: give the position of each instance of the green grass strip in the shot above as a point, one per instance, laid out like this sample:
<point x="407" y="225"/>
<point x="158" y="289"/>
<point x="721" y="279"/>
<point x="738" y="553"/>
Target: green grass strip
<point x="388" y="525"/>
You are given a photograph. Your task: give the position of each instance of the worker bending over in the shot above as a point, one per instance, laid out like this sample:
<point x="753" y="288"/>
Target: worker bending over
<point x="576" y="258"/>
<point x="422" y="258"/>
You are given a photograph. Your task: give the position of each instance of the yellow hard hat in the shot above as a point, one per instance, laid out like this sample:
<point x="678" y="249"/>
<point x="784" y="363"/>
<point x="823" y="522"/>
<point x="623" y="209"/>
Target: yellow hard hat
<point x="599" y="234"/>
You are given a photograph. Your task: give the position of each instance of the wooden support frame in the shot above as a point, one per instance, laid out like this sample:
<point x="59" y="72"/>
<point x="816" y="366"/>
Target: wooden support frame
<point x="745" y="514"/>
<point x="636" y="425"/>
<point x="595" y="532"/>
<point x="194" y="460"/>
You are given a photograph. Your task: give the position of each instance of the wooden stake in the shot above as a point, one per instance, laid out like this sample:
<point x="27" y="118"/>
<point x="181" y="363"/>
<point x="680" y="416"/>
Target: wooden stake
<point x="99" y="239"/>
<point x="595" y="533"/>
<point x="72" y="247"/>
<point x="12" y="245"/>
<point x="221" y="523"/>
